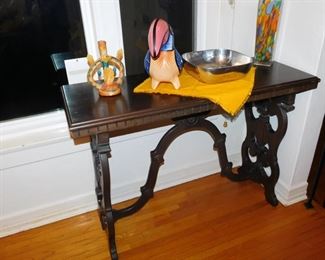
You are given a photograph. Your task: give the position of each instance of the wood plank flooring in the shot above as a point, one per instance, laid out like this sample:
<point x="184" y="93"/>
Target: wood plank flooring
<point x="210" y="218"/>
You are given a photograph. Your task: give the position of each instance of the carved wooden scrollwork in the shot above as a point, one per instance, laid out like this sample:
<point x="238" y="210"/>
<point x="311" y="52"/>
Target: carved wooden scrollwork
<point x="260" y="147"/>
<point x="101" y="152"/>
<point x="157" y="157"/>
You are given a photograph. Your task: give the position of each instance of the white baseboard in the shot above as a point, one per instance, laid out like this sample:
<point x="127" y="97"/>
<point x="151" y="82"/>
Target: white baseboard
<point x="46" y="214"/>
<point x="290" y="195"/>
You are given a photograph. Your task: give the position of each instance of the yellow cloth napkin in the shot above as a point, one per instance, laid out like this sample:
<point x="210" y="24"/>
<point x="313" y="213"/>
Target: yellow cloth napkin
<point x="231" y="95"/>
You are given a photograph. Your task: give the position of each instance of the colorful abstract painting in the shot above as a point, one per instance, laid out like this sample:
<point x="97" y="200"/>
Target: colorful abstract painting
<point x="267" y="23"/>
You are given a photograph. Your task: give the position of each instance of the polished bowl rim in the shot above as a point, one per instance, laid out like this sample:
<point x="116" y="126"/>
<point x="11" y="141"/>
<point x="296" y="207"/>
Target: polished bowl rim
<point x="217" y="65"/>
<point x="225" y="68"/>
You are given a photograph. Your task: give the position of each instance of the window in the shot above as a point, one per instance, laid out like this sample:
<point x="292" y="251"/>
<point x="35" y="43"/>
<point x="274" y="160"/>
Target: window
<point x="35" y="37"/>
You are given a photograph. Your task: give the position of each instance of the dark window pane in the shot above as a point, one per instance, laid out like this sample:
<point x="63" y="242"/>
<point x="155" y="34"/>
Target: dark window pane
<point x="34" y="36"/>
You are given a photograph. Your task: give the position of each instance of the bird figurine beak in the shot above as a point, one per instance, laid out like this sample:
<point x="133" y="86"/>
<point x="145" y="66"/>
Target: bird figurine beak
<point x="158" y="35"/>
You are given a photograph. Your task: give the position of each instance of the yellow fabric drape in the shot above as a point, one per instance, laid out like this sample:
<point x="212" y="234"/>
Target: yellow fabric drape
<point x="231" y="95"/>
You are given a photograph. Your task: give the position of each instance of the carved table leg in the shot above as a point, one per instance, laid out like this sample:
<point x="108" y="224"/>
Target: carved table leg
<point x="259" y="149"/>
<point x="101" y="152"/>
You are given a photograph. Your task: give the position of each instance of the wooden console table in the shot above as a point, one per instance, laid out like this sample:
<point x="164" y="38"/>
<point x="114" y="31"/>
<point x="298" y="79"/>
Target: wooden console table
<point x="100" y="118"/>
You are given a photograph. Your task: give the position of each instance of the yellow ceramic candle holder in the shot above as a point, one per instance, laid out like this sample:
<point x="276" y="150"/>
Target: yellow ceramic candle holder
<point x="109" y="71"/>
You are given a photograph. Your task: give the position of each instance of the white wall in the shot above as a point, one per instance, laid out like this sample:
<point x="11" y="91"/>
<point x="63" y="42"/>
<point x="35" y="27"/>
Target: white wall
<point x="45" y="177"/>
<point x="301" y="44"/>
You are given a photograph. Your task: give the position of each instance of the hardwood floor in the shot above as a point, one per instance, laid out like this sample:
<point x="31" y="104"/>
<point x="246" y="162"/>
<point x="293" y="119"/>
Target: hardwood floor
<point x="210" y="218"/>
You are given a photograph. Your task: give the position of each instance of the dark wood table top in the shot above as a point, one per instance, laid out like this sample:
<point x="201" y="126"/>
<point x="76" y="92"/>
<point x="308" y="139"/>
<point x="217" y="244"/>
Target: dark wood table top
<point x="88" y="113"/>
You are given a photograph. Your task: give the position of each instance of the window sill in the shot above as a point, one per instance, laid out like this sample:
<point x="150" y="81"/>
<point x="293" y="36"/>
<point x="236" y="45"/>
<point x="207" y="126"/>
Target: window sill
<point x="32" y="131"/>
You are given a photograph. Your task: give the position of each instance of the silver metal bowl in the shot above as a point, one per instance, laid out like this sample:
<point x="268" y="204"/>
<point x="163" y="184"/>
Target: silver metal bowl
<point x="217" y="65"/>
